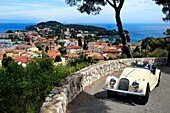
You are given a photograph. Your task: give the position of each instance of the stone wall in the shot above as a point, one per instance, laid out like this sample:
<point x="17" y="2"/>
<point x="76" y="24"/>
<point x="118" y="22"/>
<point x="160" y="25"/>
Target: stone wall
<point x="59" y="98"/>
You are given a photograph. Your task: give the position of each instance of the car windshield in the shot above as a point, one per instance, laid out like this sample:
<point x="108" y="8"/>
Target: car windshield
<point x="145" y="65"/>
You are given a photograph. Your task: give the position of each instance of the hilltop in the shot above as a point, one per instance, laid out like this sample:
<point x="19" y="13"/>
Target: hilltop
<point x="60" y="26"/>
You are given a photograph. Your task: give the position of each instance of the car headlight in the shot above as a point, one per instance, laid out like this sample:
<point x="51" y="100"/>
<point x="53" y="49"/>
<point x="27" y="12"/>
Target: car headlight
<point x="135" y="85"/>
<point x="112" y="82"/>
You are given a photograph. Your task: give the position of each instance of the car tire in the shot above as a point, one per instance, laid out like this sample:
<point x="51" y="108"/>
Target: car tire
<point x="144" y="99"/>
<point x="111" y="93"/>
<point x="159" y="80"/>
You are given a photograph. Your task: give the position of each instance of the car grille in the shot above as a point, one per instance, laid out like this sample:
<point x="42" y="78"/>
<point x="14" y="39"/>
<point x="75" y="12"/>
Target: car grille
<point x="123" y="84"/>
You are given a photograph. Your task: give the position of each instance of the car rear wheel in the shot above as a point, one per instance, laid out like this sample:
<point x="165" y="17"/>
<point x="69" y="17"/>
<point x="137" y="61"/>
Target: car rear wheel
<point x="144" y="99"/>
<point x="159" y="80"/>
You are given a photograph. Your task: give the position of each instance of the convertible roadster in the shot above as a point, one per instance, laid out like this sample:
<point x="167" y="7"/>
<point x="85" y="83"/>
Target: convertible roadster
<point x="137" y="80"/>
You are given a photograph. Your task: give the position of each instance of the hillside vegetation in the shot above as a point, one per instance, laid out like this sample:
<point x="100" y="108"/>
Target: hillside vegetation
<point x="153" y="47"/>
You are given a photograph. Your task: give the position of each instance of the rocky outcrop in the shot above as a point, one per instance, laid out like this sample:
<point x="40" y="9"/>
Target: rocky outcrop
<point x="59" y="98"/>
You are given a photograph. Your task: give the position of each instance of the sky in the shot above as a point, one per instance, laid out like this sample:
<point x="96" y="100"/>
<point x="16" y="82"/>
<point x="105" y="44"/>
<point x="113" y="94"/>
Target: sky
<point x="34" y="11"/>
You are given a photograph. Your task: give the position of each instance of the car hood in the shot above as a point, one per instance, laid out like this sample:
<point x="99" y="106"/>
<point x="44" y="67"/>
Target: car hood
<point x="135" y="73"/>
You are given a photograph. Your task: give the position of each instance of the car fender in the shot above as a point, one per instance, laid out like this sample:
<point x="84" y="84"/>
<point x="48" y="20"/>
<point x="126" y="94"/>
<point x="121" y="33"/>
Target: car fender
<point x="143" y="86"/>
<point x="158" y="71"/>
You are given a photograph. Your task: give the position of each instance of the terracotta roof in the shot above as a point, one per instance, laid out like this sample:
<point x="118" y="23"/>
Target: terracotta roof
<point x="111" y="51"/>
<point x="74" y="55"/>
<point x="110" y="55"/>
<point x="1" y="53"/>
<point x="73" y="47"/>
<point x="1" y="47"/>
<point x="16" y="58"/>
<point x="26" y="60"/>
<point x="43" y="38"/>
<point x="53" y="54"/>
<point x="22" y="59"/>
<point x="99" y="56"/>
<point x="82" y="51"/>
<point x="53" y="51"/>
<point x="16" y="51"/>
<point x="50" y="39"/>
<point x="9" y="51"/>
<point x="101" y="47"/>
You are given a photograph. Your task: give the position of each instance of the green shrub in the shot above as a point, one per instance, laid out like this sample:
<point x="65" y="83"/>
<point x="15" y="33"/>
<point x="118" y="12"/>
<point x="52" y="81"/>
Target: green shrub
<point x="121" y="56"/>
<point x="158" y="53"/>
<point x="23" y="90"/>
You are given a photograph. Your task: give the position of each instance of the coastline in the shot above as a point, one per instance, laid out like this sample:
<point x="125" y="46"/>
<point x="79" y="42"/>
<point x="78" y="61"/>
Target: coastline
<point x="138" y="31"/>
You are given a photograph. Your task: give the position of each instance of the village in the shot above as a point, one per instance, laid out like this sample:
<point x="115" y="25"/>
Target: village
<point x="63" y="47"/>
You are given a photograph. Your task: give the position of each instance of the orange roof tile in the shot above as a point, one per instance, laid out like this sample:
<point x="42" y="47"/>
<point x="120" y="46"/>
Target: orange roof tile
<point x="101" y="47"/>
<point x="26" y="60"/>
<point x="111" y="51"/>
<point x="1" y="53"/>
<point x="9" y="51"/>
<point x="22" y="59"/>
<point x="43" y="38"/>
<point x="73" y="47"/>
<point x="110" y="55"/>
<point x="82" y="51"/>
<point x="16" y="58"/>
<point x="53" y="54"/>
<point x="74" y="55"/>
<point x="99" y="56"/>
<point x="50" y="39"/>
<point x="16" y="51"/>
<point x="56" y="51"/>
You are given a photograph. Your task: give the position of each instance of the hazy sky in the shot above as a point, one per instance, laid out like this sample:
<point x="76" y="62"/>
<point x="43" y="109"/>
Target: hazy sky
<point x="33" y="11"/>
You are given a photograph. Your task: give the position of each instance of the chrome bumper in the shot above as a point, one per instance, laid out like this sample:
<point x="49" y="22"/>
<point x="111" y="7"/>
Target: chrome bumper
<point x="125" y="92"/>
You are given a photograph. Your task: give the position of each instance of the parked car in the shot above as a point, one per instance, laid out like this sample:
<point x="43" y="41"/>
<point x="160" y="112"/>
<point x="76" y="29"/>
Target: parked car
<point x="137" y="80"/>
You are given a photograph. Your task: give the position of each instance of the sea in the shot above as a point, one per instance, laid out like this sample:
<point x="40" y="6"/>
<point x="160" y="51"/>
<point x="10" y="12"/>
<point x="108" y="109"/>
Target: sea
<point x="137" y="31"/>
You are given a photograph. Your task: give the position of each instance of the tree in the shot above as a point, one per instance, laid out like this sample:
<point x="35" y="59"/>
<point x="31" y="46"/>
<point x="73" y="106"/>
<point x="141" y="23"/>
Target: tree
<point x="46" y="49"/>
<point x="79" y="42"/>
<point x="165" y="9"/>
<point x="6" y="61"/>
<point x="167" y="33"/>
<point x="62" y="50"/>
<point x="137" y="49"/>
<point x="93" y="7"/>
<point x="39" y="45"/>
<point x="85" y="45"/>
<point x="9" y="31"/>
<point x="57" y="59"/>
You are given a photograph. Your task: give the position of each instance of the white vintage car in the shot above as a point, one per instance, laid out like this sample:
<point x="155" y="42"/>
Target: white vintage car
<point x="137" y="80"/>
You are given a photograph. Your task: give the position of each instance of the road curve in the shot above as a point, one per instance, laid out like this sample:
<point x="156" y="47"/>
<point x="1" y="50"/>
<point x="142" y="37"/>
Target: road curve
<point x="94" y="100"/>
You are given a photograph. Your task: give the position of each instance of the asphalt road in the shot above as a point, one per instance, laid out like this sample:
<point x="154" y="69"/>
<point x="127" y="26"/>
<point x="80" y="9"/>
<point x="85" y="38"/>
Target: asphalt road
<point x="94" y="99"/>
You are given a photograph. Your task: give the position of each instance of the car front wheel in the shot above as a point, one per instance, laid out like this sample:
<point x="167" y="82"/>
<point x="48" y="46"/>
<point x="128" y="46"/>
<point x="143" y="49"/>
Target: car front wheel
<point x="111" y="94"/>
<point x="144" y="99"/>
